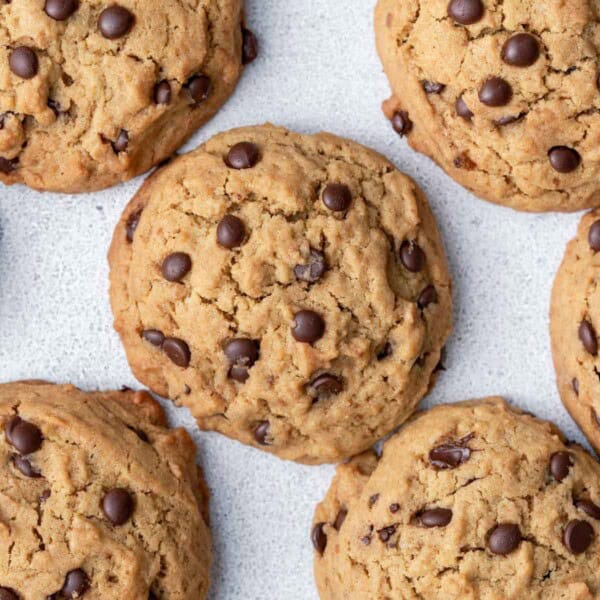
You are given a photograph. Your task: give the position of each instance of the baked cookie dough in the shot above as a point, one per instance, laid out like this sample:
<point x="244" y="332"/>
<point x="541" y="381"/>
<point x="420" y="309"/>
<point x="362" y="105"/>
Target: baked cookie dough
<point x="99" y="498"/>
<point x="503" y="95"/>
<point x="574" y="321"/>
<point x="93" y="93"/>
<point x="469" y="501"/>
<point x="291" y="290"/>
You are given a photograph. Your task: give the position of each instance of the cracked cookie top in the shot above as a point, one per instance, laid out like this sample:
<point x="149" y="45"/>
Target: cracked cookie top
<point x="291" y="290"/>
<point x="503" y="95"/>
<point x="93" y="93"/>
<point x="574" y="327"/>
<point x="99" y="498"/>
<point x="473" y="500"/>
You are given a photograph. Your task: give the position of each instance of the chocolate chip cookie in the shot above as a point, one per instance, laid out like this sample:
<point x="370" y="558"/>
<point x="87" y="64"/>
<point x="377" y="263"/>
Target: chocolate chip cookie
<point x="504" y="96"/>
<point x="574" y="322"/>
<point x="93" y="93"/>
<point x="291" y="290"/>
<point x="99" y="498"/>
<point x="473" y="500"/>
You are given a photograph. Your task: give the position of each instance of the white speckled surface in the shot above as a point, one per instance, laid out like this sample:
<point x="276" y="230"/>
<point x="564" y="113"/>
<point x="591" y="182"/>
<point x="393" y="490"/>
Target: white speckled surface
<point x="317" y="70"/>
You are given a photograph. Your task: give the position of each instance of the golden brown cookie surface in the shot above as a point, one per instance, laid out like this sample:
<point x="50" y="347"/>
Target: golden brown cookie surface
<point x="99" y="498"/>
<point x="291" y="290"/>
<point x="574" y="322"/>
<point x="503" y="95"/>
<point x="474" y="500"/>
<point x="93" y="93"/>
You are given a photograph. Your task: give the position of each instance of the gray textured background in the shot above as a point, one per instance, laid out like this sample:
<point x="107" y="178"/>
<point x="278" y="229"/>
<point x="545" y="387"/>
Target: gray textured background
<point x="318" y="70"/>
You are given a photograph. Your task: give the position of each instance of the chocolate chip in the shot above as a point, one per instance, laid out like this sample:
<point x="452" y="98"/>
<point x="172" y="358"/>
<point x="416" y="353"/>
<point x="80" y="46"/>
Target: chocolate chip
<point x="340" y="518"/>
<point x="495" y="92"/>
<point x="25" y="467"/>
<point x="594" y="236"/>
<point x="314" y="269"/>
<point x="249" y="46"/>
<point x="412" y="257"/>
<point x="60" y="10"/>
<point x="433" y="87"/>
<point x="115" y="22"/>
<point x="309" y="327"/>
<point x="121" y="143"/>
<point x="178" y="351"/>
<point x="54" y="107"/>
<point x="162" y="92"/>
<point x="589" y="508"/>
<point x="462" y="110"/>
<point x="465" y="12"/>
<point x="117" y="505"/>
<point x="243" y="155"/>
<point x="76" y="584"/>
<point x="386" y="351"/>
<point x="401" y="123"/>
<point x="575" y="385"/>
<point x="451" y="454"/>
<point x="373" y="500"/>
<point x="587" y="335"/>
<point x="563" y="159"/>
<point x="24" y="62"/>
<point x="152" y="595"/>
<point x="521" y="50"/>
<point x="231" y="232"/>
<point x="394" y="508"/>
<point x="319" y="538"/>
<point x="337" y="197"/>
<point x="323" y="386"/>
<point x="199" y="88"/>
<point x="504" y="539"/>
<point x="176" y="266"/>
<point x="261" y="432"/>
<point x="387" y="532"/>
<point x="508" y="120"/>
<point x="132" y="223"/>
<point x="241" y="353"/>
<point x="426" y="297"/>
<point x="8" y="594"/>
<point x="560" y="465"/>
<point x="154" y="337"/>
<point x="435" y="517"/>
<point x="24" y="436"/>
<point x="8" y="166"/>
<point x="578" y="536"/>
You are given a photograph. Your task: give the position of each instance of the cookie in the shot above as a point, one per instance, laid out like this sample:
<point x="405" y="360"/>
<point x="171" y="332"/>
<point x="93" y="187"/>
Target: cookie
<point x="94" y="93"/>
<point x="99" y="498"/>
<point x="574" y="319"/>
<point x="503" y="96"/>
<point x="473" y="500"/>
<point x="290" y="290"/>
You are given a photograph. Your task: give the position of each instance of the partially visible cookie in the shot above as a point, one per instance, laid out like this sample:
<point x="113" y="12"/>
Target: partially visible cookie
<point x="574" y="323"/>
<point x="291" y="290"/>
<point x="99" y="498"/>
<point x="474" y="500"/>
<point x="93" y="93"/>
<point x="504" y="96"/>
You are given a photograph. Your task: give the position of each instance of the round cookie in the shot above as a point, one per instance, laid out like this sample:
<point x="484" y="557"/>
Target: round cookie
<point x="475" y="500"/>
<point x="503" y="96"/>
<point x="291" y="290"/>
<point x="99" y="498"/>
<point x="574" y="319"/>
<point x="94" y="93"/>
